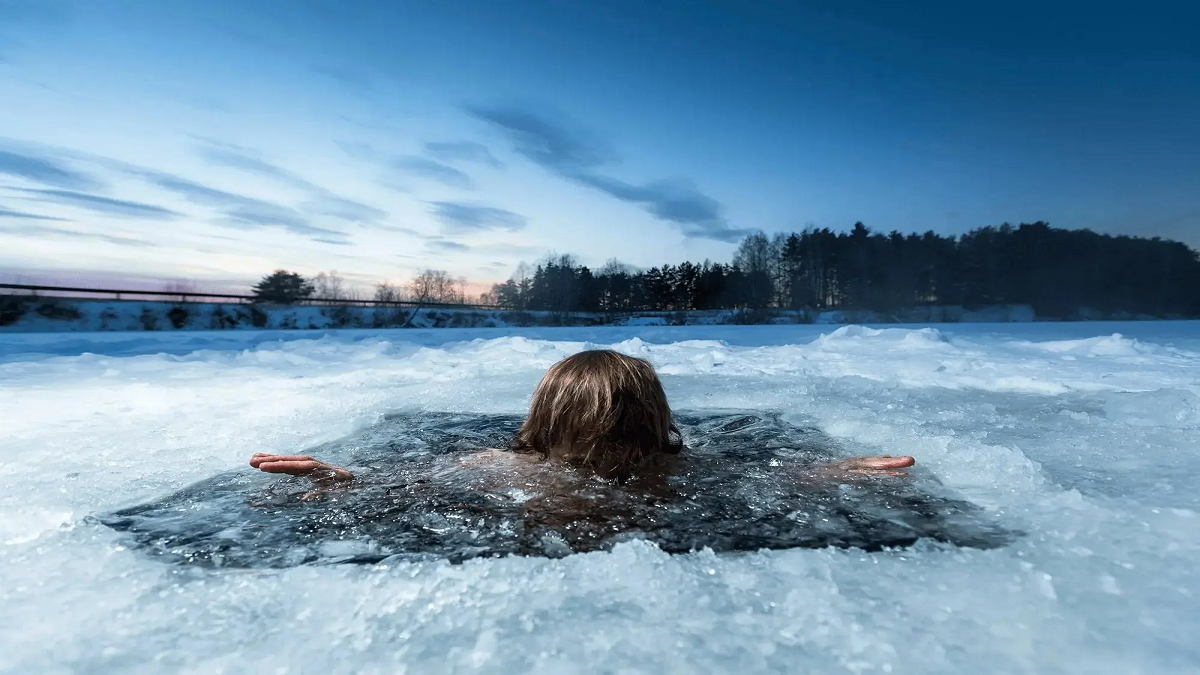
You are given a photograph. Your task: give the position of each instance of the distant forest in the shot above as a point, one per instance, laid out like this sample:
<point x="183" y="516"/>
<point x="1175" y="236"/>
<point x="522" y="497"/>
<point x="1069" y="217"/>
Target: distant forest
<point x="1060" y="273"/>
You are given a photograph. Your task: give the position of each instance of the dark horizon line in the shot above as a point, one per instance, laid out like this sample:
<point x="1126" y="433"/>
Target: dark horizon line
<point x="780" y="234"/>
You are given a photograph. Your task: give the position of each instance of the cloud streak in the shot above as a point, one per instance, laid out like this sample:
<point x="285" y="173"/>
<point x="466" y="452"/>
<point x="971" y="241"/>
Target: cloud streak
<point x="579" y="156"/>
<point x="433" y="170"/>
<point x="98" y="204"/>
<point x="343" y="209"/>
<point x="44" y="230"/>
<point x="460" y="217"/>
<point x="241" y="211"/>
<point x="44" y="170"/>
<point x="554" y="145"/>
<point x="447" y="246"/>
<point x="233" y="157"/>
<point x="323" y="202"/>
<point x="462" y="151"/>
<point x="432" y="166"/>
<point x="347" y="77"/>
<point x="234" y="210"/>
<point x="9" y="213"/>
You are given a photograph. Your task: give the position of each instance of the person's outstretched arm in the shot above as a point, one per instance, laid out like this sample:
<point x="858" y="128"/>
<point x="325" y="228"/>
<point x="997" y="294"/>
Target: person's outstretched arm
<point x="871" y="465"/>
<point x="876" y="463"/>
<point x="300" y="465"/>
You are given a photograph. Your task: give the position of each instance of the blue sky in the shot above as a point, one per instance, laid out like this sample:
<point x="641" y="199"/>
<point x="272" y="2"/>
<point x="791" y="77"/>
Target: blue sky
<point x="216" y="140"/>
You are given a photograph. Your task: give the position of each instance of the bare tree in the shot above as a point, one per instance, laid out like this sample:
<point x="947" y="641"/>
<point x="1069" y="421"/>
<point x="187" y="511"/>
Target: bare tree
<point x="352" y="294"/>
<point x="754" y="254"/>
<point x="490" y="298"/>
<point x="329" y="286"/>
<point x="613" y="267"/>
<point x="522" y="274"/>
<point x="388" y="312"/>
<point x="388" y="294"/>
<point x="754" y="258"/>
<point x="180" y="289"/>
<point x="522" y="286"/>
<point x="460" y="292"/>
<point x="435" y="286"/>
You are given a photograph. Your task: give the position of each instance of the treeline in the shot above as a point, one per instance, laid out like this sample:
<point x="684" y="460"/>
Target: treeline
<point x="431" y="287"/>
<point x="1060" y="273"/>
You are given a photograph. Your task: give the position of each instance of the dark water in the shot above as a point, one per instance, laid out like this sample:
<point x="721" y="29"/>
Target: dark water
<point x="745" y="482"/>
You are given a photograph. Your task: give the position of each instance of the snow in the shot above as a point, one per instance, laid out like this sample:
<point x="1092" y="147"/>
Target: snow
<point x="56" y="315"/>
<point x="1086" y="437"/>
<point x="85" y="315"/>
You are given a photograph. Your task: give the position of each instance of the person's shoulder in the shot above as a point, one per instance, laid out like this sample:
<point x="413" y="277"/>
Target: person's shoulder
<point x="496" y="457"/>
<point x="675" y="443"/>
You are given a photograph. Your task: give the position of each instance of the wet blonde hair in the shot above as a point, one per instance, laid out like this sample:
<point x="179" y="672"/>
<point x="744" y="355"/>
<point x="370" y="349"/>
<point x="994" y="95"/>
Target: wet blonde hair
<point x="600" y="410"/>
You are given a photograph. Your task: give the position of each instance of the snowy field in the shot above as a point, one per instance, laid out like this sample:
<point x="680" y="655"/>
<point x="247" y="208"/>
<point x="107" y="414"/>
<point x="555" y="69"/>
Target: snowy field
<point x="1084" y="436"/>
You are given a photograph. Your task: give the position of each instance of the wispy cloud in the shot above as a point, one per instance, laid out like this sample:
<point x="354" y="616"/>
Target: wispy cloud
<point x="677" y="201"/>
<point x="557" y="145"/>
<point x="358" y="150"/>
<point x="413" y="165"/>
<point x="9" y="213"/>
<point x="578" y="155"/>
<point x="402" y="230"/>
<point x="338" y="240"/>
<point x="233" y="209"/>
<point x="433" y="170"/>
<point x="435" y="162"/>
<point x="343" y="209"/>
<point x="45" y="170"/>
<point x="31" y="230"/>
<point x="98" y="204"/>
<point x="447" y="245"/>
<point x="509" y="249"/>
<point x="234" y="157"/>
<point x="324" y="202"/>
<point x="464" y="217"/>
<point x="351" y="79"/>
<point x="242" y="211"/>
<point x="462" y="151"/>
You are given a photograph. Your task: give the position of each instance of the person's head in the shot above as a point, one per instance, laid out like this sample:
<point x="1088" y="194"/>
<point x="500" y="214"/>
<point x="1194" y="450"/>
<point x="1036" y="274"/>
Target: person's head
<point x="599" y="410"/>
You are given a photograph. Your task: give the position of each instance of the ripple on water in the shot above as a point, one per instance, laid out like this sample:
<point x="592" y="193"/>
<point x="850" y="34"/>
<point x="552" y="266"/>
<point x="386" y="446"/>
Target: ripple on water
<point x="745" y="482"/>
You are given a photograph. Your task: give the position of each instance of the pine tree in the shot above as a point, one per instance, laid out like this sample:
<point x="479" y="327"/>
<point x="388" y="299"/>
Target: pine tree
<point x="282" y="287"/>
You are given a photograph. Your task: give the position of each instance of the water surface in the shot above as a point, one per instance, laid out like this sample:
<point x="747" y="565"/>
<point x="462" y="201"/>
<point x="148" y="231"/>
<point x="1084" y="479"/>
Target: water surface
<point x="746" y="481"/>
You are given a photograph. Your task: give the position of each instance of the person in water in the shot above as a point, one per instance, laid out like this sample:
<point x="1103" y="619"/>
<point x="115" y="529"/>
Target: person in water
<point x="597" y="411"/>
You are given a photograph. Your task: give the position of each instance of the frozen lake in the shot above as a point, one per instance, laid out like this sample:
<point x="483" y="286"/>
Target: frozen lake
<point x="1085" y="437"/>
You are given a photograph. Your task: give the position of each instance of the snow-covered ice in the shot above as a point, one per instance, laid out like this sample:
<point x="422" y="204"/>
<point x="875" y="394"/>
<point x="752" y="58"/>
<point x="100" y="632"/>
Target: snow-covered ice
<point x="1086" y="437"/>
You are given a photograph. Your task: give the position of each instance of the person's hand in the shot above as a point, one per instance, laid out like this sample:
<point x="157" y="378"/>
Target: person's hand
<point x="299" y="465"/>
<point x="877" y="464"/>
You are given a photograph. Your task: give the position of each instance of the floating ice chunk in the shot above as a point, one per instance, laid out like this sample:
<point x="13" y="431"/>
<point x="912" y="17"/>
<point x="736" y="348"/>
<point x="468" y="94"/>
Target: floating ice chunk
<point x="345" y="547"/>
<point x="633" y="347"/>
<point x="907" y="337"/>
<point x="1031" y="385"/>
<point x="20" y="526"/>
<point x="701" y="344"/>
<point x="851" y="332"/>
<point x="1109" y="345"/>
<point x="1173" y="408"/>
